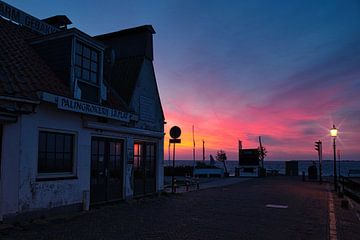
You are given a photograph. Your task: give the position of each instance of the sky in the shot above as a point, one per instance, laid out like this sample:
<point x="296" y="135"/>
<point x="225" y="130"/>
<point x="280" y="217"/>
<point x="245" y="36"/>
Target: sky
<point x="236" y="70"/>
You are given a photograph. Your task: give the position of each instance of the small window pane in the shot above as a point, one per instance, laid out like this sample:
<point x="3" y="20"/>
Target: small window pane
<point x="101" y="147"/>
<point x="42" y="142"/>
<point x="78" y="60"/>
<point x="77" y="72"/>
<point x="78" y="48"/>
<point x="118" y="148"/>
<point x="67" y="162"/>
<point x="86" y="52"/>
<point x="94" y="147"/>
<point x="94" y="56"/>
<point x="94" y="66"/>
<point x="86" y="63"/>
<point x="59" y="143"/>
<point x="112" y="148"/>
<point x="50" y="160"/>
<point x="93" y="77"/>
<point x="85" y="75"/>
<point x="68" y="142"/>
<point x="41" y="161"/>
<point x="50" y="142"/>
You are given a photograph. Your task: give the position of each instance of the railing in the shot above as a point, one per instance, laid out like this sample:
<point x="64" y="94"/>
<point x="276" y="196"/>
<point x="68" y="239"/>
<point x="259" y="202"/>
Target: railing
<point x="350" y="188"/>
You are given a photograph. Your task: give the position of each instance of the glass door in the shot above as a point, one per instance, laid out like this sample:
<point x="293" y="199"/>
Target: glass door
<point x="106" y="181"/>
<point x="144" y="168"/>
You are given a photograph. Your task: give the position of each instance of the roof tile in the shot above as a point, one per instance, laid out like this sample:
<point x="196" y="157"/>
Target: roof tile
<point x="22" y="71"/>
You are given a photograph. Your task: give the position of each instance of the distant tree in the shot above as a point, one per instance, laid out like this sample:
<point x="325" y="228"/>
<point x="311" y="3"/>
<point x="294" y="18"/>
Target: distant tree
<point x="262" y="153"/>
<point x="221" y="157"/>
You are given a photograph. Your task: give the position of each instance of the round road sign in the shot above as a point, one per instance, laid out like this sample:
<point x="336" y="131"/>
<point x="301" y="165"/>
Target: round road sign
<point x="175" y="132"/>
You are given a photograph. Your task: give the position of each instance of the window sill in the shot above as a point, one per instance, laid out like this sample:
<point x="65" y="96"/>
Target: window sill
<point x="55" y="177"/>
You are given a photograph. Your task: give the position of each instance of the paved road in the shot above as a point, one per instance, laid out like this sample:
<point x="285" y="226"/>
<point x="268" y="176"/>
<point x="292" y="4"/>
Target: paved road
<point x="230" y="212"/>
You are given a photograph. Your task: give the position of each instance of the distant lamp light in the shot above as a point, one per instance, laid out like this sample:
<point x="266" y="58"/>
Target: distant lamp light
<point x="333" y="131"/>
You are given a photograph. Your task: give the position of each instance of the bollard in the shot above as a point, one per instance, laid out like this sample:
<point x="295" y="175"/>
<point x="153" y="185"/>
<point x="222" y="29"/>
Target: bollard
<point x="303" y="176"/>
<point x="197" y="183"/>
<point x="175" y="185"/>
<point x="187" y="182"/>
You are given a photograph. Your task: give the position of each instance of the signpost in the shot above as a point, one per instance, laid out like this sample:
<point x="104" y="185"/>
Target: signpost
<point x="175" y="133"/>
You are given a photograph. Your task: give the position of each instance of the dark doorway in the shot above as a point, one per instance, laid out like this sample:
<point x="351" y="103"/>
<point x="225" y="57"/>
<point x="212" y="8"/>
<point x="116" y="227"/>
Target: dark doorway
<point x="144" y="168"/>
<point x="106" y="183"/>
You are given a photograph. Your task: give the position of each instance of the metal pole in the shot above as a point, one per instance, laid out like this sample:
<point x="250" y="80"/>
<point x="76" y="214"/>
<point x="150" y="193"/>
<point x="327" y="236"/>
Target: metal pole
<point x="203" y="150"/>
<point x="339" y="161"/>
<point x="335" y="173"/>
<point x="169" y="153"/>
<point x="320" y="162"/>
<point x="193" y="135"/>
<point x="173" y="172"/>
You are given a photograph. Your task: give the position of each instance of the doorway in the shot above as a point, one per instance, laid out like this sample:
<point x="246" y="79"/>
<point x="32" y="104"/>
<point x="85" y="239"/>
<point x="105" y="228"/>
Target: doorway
<point x="144" y="168"/>
<point x="106" y="181"/>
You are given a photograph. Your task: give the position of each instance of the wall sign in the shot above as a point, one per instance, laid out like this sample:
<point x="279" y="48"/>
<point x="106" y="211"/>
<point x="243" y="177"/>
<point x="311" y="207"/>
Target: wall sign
<point x="73" y="105"/>
<point x="25" y="19"/>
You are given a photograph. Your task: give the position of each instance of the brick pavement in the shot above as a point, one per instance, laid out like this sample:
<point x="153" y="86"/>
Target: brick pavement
<point x="237" y="211"/>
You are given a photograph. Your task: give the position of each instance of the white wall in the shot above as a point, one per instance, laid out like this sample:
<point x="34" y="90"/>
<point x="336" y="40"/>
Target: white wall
<point x="46" y="194"/>
<point x="147" y="87"/>
<point x="23" y="192"/>
<point x="10" y="168"/>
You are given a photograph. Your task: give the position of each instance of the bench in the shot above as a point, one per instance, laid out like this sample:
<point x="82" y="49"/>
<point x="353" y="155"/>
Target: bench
<point x="354" y="172"/>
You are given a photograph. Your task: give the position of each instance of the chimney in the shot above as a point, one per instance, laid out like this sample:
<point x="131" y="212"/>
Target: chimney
<point x="59" y="21"/>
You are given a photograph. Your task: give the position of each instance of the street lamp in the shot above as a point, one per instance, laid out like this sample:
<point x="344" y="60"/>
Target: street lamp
<point x="333" y="133"/>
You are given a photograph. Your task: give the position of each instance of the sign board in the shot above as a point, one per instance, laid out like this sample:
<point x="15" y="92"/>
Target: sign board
<point x="175" y="132"/>
<point x="175" y="140"/>
<point x="24" y="19"/>
<point x="249" y="157"/>
<point x="73" y="105"/>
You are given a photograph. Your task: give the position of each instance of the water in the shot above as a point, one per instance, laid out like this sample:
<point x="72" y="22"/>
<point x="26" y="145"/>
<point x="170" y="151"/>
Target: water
<point x="327" y="166"/>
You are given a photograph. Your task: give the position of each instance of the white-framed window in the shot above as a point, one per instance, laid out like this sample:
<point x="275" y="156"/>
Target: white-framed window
<point x="87" y="71"/>
<point x="56" y="153"/>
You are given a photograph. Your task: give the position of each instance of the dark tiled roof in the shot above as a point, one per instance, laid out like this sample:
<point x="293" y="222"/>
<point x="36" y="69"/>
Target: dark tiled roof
<point x="124" y="76"/>
<point x="22" y="71"/>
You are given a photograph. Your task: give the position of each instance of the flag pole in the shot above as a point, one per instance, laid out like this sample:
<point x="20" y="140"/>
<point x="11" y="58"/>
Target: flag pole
<point x="193" y="135"/>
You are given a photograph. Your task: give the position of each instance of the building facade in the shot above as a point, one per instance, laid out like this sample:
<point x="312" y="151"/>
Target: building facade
<point x="81" y="120"/>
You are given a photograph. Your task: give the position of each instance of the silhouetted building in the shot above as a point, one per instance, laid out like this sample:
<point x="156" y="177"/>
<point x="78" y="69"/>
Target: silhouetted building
<point x="81" y="120"/>
<point x="249" y="162"/>
<point x="292" y="168"/>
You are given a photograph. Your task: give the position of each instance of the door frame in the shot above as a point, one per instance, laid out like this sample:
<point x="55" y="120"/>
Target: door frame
<point x="156" y="144"/>
<point x="123" y="155"/>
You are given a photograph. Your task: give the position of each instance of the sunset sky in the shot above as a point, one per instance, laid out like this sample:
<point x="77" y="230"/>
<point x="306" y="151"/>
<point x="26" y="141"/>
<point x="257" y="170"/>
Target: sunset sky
<point x="284" y="70"/>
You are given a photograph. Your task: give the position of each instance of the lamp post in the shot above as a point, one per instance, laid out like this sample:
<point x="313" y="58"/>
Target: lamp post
<point x="333" y="134"/>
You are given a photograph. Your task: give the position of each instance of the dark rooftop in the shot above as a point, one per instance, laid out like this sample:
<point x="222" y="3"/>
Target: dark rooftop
<point x="22" y="71"/>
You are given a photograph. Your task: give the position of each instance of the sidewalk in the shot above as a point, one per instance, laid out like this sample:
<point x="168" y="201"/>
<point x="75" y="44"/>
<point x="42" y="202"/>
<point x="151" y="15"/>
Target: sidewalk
<point x="260" y="208"/>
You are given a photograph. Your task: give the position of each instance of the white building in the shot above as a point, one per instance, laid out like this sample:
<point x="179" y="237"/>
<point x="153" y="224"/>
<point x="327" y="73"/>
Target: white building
<point x="81" y="120"/>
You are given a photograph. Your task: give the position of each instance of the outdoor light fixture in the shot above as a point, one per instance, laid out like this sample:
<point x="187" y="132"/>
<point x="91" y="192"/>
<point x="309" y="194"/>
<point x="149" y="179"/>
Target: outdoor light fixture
<point x="333" y="134"/>
<point x="333" y="131"/>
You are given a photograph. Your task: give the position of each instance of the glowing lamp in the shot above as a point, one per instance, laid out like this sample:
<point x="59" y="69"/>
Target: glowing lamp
<point x="333" y="131"/>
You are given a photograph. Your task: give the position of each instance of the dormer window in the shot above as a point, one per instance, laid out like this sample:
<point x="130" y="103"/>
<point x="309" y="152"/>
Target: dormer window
<point x="87" y="72"/>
